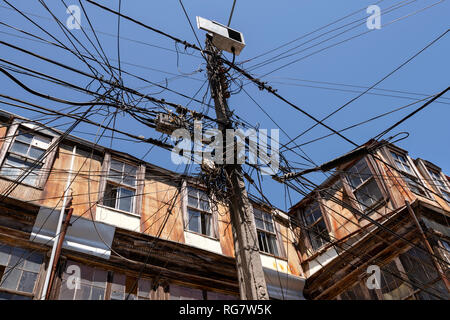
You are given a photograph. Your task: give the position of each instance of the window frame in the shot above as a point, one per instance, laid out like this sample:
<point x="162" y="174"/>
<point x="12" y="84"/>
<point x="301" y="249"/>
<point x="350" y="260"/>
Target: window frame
<point x="414" y="176"/>
<point x="445" y="188"/>
<point x="37" y="282"/>
<point x="275" y="233"/>
<point x="11" y="137"/>
<point x="129" y="283"/>
<point x="138" y="188"/>
<point x="323" y="217"/>
<point x="444" y="248"/>
<point x="351" y="192"/>
<point x="214" y="232"/>
<point x="108" y="284"/>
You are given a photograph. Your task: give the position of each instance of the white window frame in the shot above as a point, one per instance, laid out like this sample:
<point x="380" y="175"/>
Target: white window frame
<point x="202" y="212"/>
<point x="121" y="185"/>
<point x="267" y="233"/>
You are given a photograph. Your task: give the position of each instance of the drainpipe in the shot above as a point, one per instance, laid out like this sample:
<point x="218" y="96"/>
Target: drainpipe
<point x="53" y="261"/>
<point x="428" y="246"/>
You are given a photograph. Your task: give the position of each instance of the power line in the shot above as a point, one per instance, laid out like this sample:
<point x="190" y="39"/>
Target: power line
<point x="186" y="44"/>
<point x="285" y="54"/>
<point x="412" y="113"/>
<point x="108" y="34"/>
<point x="372" y="86"/>
<point x="348" y="39"/>
<point x="354" y="91"/>
<point x="310" y="33"/>
<point x="231" y="13"/>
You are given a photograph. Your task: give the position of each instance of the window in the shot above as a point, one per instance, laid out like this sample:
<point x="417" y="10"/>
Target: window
<point x="424" y="278"/>
<point x="23" y="155"/>
<point x="91" y="284"/>
<point x="210" y="295"/>
<point x="99" y="284"/>
<point x="185" y="293"/>
<point x="354" y="293"/>
<point x="392" y="286"/>
<point x="21" y="278"/>
<point x="316" y="228"/>
<point x="445" y="251"/>
<point x="124" y="287"/>
<point x="446" y="195"/>
<point x="364" y="185"/>
<point x="199" y="212"/>
<point x="402" y="163"/>
<point x="121" y="186"/>
<point x="267" y="238"/>
<point x="440" y="184"/>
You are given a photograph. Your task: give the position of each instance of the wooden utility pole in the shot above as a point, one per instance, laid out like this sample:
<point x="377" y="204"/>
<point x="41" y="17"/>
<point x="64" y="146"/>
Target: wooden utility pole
<point x="252" y="284"/>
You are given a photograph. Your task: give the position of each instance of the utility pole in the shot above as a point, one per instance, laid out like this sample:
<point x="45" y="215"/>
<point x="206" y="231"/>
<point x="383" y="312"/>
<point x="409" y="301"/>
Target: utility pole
<point x="252" y="284"/>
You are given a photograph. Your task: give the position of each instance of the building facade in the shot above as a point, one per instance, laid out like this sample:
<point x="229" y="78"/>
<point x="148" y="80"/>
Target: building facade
<point x="137" y="231"/>
<point x="380" y="211"/>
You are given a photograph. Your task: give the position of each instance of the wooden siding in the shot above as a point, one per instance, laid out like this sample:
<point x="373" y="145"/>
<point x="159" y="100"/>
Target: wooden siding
<point x="85" y="176"/>
<point x="3" y="130"/>
<point x="292" y="258"/>
<point x="159" y="197"/>
<point x="225" y="231"/>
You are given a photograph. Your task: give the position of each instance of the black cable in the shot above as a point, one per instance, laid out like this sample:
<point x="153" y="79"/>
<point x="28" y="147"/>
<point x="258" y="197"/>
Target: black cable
<point x="231" y="13"/>
<point x="372" y="86"/>
<point x="411" y="114"/>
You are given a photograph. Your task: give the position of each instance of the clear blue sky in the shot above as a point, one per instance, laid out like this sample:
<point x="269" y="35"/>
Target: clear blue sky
<point x="266" y="25"/>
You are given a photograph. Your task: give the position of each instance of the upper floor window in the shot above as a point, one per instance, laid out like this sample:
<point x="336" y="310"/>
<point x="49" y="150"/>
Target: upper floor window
<point x="402" y="163"/>
<point x="265" y="228"/>
<point x="120" y="189"/>
<point x="440" y="184"/>
<point x="316" y="228"/>
<point x="24" y="157"/>
<point x="364" y="185"/>
<point x="199" y="212"/>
